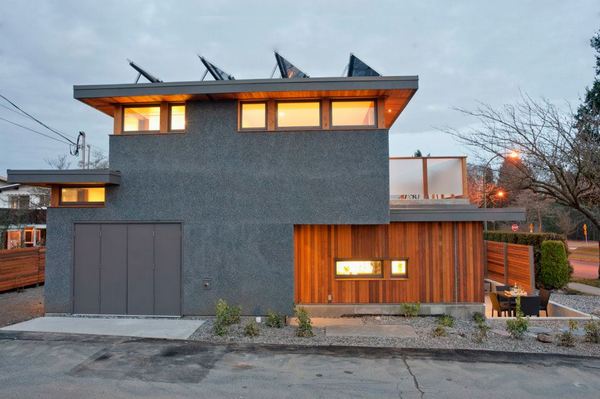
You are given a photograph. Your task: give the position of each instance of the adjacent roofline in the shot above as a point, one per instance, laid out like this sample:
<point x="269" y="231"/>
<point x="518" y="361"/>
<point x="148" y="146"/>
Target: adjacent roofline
<point x="81" y="92"/>
<point x="10" y="187"/>
<point x="46" y="177"/>
<point x="457" y="214"/>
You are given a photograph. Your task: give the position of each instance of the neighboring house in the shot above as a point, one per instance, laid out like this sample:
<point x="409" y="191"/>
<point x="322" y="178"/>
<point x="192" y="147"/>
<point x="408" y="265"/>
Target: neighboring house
<point x="22" y="215"/>
<point x="264" y="192"/>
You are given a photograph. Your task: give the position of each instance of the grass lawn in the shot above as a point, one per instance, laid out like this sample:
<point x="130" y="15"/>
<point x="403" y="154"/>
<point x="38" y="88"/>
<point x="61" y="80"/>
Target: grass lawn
<point x="589" y="281"/>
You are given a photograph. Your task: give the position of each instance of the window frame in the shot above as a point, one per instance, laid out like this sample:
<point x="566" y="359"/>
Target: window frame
<point x="353" y="127"/>
<point x="170" y="116"/>
<point x="362" y="276"/>
<point x="80" y="204"/>
<point x="160" y="116"/>
<point x="398" y="276"/>
<point x="241" y="116"/>
<point x="299" y="128"/>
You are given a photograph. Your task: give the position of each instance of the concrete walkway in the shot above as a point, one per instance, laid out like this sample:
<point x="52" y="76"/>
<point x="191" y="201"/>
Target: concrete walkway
<point x="586" y="289"/>
<point x="143" y="328"/>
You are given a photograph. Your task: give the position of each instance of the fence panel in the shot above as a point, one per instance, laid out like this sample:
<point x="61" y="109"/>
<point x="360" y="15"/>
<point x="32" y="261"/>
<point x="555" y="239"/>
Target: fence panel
<point x="510" y="264"/>
<point x="21" y="267"/>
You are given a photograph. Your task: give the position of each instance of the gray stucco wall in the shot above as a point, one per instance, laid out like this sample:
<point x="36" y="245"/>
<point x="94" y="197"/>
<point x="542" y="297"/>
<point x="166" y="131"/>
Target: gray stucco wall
<point x="238" y="196"/>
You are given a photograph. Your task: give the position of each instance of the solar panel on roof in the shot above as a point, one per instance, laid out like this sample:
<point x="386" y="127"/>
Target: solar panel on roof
<point x="216" y="72"/>
<point x="141" y="72"/>
<point x="287" y="69"/>
<point x="356" y="67"/>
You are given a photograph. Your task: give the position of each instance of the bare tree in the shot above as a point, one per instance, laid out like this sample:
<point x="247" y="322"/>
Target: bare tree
<point x="60" y="162"/>
<point x="558" y="161"/>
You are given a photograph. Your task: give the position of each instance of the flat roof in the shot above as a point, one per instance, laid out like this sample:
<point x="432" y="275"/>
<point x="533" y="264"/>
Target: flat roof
<point x="457" y="213"/>
<point x="48" y="177"/>
<point x="397" y="90"/>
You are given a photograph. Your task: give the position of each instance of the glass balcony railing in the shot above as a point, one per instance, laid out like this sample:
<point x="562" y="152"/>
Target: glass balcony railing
<point x="428" y="178"/>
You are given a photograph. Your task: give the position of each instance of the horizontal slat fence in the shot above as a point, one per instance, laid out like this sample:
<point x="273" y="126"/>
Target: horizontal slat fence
<point x="510" y="263"/>
<point x="21" y="267"/>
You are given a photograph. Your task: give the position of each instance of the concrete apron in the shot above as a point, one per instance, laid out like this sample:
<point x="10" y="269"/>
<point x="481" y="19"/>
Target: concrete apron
<point x="126" y="327"/>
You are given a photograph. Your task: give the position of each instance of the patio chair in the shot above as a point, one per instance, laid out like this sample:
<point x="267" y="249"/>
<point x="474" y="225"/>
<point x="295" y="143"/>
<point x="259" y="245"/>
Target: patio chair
<point x="499" y="307"/>
<point x="544" y="299"/>
<point x="530" y="305"/>
<point x="500" y="288"/>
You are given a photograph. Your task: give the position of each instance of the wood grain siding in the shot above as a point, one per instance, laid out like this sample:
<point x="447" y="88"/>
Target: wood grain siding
<point x="510" y="264"/>
<point x="445" y="262"/>
<point x="21" y="267"/>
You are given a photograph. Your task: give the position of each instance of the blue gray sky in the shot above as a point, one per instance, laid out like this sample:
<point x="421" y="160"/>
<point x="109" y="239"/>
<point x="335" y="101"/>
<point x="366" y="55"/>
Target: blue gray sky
<point x="463" y="52"/>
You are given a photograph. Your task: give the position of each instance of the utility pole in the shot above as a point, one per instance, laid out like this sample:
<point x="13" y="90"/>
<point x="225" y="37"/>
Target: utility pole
<point x="89" y="155"/>
<point x="82" y="148"/>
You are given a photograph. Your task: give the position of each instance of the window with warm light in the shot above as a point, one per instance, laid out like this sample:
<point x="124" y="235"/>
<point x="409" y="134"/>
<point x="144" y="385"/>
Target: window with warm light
<point x="82" y="195"/>
<point x="399" y="268"/>
<point x="141" y="119"/>
<point x="353" y="113"/>
<point x="176" y="117"/>
<point x="298" y="114"/>
<point x="358" y="268"/>
<point x="253" y="116"/>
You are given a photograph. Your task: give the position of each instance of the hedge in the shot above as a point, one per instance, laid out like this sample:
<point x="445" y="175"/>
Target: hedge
<point x="533" y="239"/>
<point x="554" y="272"/>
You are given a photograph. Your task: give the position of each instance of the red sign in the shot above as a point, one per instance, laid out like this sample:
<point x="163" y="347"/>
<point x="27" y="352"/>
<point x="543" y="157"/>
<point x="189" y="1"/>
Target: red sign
<point x="514" y="227"/>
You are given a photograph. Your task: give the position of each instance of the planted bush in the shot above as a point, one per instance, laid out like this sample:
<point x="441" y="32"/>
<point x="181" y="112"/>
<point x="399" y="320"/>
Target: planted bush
<point x="439" y="331"/>
<point x="481" y="333"/>
<point x="251" y="329"/>
<point x="304" y="323"/>
<point x="592" y="331"/>
<point x="225" y="316"/>
<point x="446" y="321"/>
<point x="518" y="326"/>
<point x="554" y="271"/>
<point x="478" y="317"/>
<point x="274" y="319"/>
<point x="567" y="338"/>
<point x="410" y="309"/>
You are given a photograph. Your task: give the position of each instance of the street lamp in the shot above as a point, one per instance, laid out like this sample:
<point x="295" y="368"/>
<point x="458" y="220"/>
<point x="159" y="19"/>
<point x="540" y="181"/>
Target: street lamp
<point x="512" y="155"/>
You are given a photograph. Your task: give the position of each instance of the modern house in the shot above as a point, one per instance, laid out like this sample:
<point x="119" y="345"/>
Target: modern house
<point x="264" y="192"/>
<point x="22" y="215"/>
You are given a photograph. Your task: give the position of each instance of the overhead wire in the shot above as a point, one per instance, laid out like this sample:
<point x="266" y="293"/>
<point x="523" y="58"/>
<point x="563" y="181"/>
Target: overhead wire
<point x="35" y="131"/>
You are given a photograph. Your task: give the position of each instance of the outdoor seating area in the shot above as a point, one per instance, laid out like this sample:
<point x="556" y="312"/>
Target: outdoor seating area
<point x="502" y="302"/>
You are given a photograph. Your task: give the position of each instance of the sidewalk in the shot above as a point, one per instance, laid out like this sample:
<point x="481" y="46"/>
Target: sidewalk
<point x="586" y="289"/>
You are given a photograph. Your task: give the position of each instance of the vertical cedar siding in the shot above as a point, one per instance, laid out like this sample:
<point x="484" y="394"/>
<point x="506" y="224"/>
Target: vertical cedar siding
<point x="432" y="252"/>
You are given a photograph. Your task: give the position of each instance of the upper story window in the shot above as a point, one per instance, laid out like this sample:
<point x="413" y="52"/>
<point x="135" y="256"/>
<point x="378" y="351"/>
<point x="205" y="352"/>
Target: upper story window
<point x="298" y="114"/>
<point x="253" y="116"/>
<point x="141" y="119"/>
<point x="19" y="201"/>
<point x="353" y="113"/>
<point x="82" y="195"/>
<point x="177" y="117"/>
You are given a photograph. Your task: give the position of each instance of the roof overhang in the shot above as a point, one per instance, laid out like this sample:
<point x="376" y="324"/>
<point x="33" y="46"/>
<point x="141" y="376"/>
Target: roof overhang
<point x="457" y="214"/>
<point x="397" y="90"/>
<point x="74" y="177"/>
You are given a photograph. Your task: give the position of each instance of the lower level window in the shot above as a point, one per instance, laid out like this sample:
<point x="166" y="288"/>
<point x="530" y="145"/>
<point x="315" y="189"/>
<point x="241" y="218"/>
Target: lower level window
<point x="358" y="268"/>
<point x="82" y="195"/>
<point x="399" y="268"/>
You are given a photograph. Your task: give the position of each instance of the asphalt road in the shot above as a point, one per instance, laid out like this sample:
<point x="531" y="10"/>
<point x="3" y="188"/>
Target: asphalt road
<point x="43" y="366"/>
<point x="584" y="269"/>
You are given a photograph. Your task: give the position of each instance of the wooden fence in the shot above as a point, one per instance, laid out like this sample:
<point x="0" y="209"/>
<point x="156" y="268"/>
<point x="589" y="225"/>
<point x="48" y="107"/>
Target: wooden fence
<point x="21" y="267"/>
<point x="510" y="263"/>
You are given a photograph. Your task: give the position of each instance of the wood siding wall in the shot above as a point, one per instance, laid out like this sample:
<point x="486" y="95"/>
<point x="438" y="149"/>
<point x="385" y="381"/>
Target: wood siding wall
<point x="445" y="262"/>
<point x="21" y="267"/>
<point x="510" y="264"/>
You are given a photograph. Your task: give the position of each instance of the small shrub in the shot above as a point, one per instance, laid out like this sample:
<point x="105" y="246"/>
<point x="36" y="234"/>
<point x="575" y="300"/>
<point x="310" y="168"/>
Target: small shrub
<point x="304" y="323"/>
<point x="567" y="338"/>
<point x="446" y="321"/>
<point x="481" y="333"/>
<point x="517" y="327"/>
<point x="274" y="319"/>
<point x="592" y="331"/>
<point x="554" y="270"/>
<point x="251" y="329"/>
<point x="478" y="318"/>
<point x="439" y="331"/>
<point x="410" y="309"/>
<point x="225" y="316"/>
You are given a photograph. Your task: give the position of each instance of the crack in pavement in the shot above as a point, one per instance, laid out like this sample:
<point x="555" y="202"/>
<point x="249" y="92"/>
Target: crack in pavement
<point x="415" y="381"/>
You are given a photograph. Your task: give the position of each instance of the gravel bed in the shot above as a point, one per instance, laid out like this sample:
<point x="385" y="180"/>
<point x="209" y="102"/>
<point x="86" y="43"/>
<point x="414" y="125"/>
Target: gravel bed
<point x="459" y="337"/>
<point x="21" y="305"/>
<point x="584" y="303"/>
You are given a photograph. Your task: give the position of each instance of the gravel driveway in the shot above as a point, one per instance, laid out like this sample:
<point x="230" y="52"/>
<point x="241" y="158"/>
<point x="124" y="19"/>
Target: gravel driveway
<point x="16" y="306"/>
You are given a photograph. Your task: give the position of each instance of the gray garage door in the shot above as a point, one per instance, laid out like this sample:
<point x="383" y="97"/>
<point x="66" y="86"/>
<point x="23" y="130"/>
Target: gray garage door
<point x="129" y="268"/>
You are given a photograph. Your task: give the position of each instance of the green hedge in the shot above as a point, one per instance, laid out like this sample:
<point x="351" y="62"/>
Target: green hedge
<point x="554" y="272"/>
<point x="533" y="239"/>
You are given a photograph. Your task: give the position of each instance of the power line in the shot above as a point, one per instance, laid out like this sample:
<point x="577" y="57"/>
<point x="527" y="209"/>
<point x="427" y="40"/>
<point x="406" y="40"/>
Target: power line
<point x="38" y="121"/>
<point x="35" y="131"/>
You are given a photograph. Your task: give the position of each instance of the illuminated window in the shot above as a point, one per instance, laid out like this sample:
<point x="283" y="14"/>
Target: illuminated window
<point x="177" y="117"/>
<point x="254" y="116"/>
<point x="358" y="268"/>
<point x="141" y="119"/>
<point x="353" y="113"/>
<point x="82" y="195"/>
<point x="299" y="114"/>
<point x="399" y="268"/>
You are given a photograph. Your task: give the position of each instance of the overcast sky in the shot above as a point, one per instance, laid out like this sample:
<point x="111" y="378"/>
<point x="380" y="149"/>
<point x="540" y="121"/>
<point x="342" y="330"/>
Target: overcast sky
<point x="463" y="52"/>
